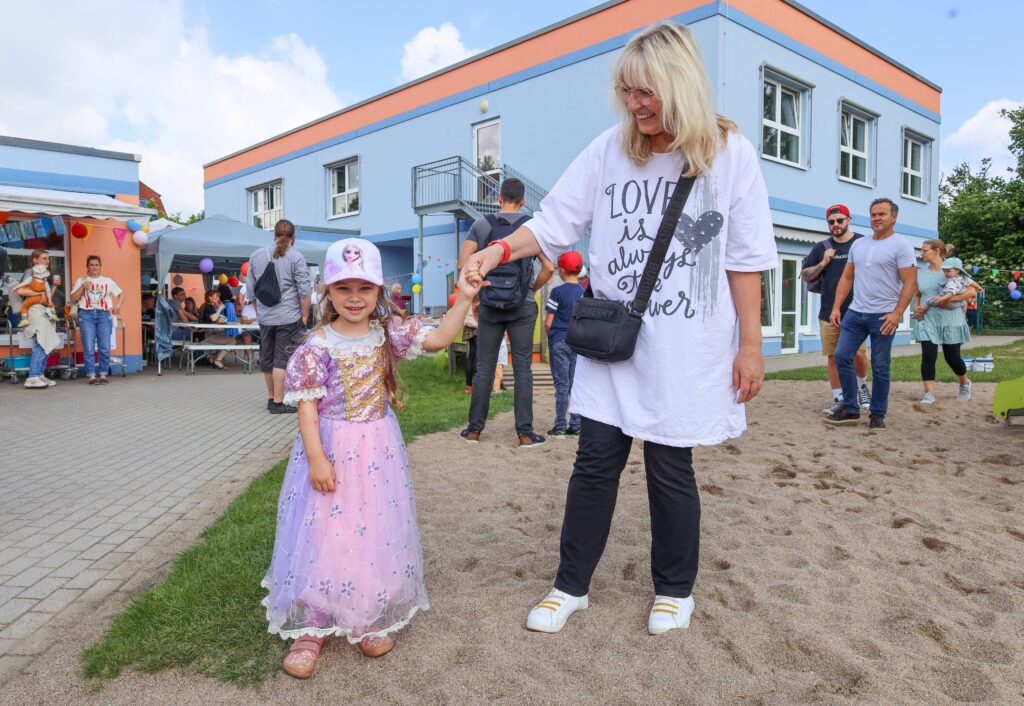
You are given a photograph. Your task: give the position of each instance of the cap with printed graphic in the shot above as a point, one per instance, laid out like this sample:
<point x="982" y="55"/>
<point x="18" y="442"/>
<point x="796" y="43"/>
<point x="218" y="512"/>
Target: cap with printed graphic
<point x="353" y="258"/>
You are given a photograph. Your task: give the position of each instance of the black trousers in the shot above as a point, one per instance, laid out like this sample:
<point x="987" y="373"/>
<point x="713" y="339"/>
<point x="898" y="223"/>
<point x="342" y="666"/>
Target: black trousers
<point x="470" y="361"/>
<point x="590" y="503"/>
<point x="929" y="354"/>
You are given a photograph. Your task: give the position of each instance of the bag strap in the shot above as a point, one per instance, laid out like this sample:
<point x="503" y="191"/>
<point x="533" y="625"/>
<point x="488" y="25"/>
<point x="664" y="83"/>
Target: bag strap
<point x="656" y="257"/>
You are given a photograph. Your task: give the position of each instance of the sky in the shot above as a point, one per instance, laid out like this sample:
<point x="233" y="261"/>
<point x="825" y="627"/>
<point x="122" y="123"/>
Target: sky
<point x="182" y="82"/>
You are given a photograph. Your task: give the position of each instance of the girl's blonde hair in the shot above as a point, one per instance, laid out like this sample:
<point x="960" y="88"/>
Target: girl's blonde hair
<point x="384" y="312"/>
<point x="665" y="59"/>
<point x="941" y="245"/>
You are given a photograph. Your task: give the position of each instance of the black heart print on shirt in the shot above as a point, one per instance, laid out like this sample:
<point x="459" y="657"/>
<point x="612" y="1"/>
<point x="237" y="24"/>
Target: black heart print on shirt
<point x="696" y="234"/>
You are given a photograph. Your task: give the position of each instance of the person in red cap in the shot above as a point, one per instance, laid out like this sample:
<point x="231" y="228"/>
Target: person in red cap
<point x="558" y="310"/>
<point x="824" y="265"/>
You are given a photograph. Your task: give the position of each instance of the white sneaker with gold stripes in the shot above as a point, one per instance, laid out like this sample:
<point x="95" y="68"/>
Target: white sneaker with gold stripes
<point x="551" y="613"/>
<point x="669" y="613"/>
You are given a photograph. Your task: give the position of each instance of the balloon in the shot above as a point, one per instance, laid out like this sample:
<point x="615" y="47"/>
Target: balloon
<point x="416" y="289"/>
<point x="245" y="269"/>
<point x="1011" y="286"/>
<point x="140" y="238"/>
<point x="177" y="280"/>
<point x="452" y="298"/>
<point x="1015" y="294"/>
<point x="145" y="228"/>
<point x="416" y="278"/>
<point x="133" y="225"/>
<point x="79" y="231"/>
<point x="205" y="265"/>
<point x="222" y="278"/>
<point x="232" y="281"/>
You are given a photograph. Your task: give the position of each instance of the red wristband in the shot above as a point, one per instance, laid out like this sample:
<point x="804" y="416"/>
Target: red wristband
<point x="508" y="251"/>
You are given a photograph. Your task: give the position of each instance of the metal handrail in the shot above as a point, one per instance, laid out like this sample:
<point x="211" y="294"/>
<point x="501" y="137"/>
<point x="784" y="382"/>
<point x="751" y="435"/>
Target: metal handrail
<point x="449" y="183"/>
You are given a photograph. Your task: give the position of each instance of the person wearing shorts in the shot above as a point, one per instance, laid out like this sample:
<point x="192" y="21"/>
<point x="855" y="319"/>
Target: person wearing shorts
<point x="826" y="261"/>
<point x="283" y="325"/>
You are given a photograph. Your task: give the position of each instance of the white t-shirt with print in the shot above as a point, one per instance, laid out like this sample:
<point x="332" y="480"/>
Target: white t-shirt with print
<point x="99" y="293"/>
<point x="677" y="388"/>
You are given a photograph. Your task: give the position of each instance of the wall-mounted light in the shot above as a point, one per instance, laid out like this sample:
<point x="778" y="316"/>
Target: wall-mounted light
<point x="484" y="106"/>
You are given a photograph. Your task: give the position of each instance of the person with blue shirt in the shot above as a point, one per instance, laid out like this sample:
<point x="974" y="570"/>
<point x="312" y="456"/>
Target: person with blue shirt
<point x="556" y="324"/>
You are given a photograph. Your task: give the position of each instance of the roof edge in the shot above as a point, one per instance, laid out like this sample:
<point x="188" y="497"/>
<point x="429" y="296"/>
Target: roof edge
<point x="862" y="44"/>
<point x="67" y="149"/>
<point x="468" y="60"/>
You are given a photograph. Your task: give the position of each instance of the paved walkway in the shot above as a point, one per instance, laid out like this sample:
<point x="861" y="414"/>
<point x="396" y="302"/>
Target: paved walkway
<point x="808" y="360"/>
<point x="103" y="485"/>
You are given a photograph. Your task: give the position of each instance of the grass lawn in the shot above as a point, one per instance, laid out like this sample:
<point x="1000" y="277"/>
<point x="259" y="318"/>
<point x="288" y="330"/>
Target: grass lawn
<point x="1009" y="365"/>
<point x="206" y="615"/>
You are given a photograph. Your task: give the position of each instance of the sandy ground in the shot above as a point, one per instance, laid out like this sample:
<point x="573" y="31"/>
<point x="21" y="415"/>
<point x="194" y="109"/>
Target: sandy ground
<point x="837" y="566"/>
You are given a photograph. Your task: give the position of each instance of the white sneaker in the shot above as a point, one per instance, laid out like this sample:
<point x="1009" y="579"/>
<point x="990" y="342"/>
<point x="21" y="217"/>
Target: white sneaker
<point x="669" y="613"/>
<point x="837" y="404"/>
<point x="864" y="397"/>
<point x="964" y="392"/>
<point x="36" y="382"/>
<point x="551" y="613"/>
<point x="48" y="381"/>
<point x="928" y="398"/>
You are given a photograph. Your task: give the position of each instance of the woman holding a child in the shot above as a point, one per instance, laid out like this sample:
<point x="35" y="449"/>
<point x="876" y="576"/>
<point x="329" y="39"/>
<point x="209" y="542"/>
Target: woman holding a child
<point x="941" y="315"/>
<point x="698" y="355"/>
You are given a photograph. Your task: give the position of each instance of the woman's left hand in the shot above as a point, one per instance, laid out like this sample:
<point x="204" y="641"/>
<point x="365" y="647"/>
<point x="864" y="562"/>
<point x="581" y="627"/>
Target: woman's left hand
<point x="747" y="373"/>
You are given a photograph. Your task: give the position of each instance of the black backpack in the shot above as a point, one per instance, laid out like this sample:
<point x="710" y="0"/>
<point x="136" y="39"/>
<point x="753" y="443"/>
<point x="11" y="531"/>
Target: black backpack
<point x="268" y="290"/>
<point x="510" y="283"/>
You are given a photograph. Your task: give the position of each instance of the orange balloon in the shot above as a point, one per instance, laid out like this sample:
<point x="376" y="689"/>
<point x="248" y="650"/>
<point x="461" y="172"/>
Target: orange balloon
<point x="245" y="269"/>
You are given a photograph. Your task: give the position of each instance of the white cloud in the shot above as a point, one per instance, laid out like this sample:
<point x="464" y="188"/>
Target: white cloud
<point x="136" y="78"/>
<point x="984" y="134"/>
<point x="431" y="49"/>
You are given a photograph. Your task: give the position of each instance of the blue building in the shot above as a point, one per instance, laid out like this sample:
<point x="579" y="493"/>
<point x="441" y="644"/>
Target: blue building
<point x="835" y="120"/>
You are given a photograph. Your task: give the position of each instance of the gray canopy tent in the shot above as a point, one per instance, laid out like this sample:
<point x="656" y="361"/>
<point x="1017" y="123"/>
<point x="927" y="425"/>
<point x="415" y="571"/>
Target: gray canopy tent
<point x="227" y="242"/>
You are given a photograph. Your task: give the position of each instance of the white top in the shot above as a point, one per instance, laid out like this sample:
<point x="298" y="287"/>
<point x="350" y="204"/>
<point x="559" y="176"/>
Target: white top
<point x="99" y="293"/>
<point x="248" y="310"/>
<point x="677" y="388"/>
<point x="876" y="277"/>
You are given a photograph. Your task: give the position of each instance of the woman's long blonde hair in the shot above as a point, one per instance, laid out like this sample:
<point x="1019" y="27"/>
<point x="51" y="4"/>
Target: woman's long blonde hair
<point x="665" y="59"/>
<point x="384" y="312"/>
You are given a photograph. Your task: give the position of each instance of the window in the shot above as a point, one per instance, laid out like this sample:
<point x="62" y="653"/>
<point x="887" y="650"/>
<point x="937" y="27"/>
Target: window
<point x="782" y="108"/>
<point x="768" y="300"/>
<point x="267" y="205"/>
<point x="914" y="158"/>
<point x="854" y="145"/>
<point x="344" y="188"/>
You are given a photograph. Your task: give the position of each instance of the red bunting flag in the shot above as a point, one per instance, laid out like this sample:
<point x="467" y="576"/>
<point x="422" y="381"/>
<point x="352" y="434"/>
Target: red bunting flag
<point x="119" y="235"/>
<point x="1016" y="274"/>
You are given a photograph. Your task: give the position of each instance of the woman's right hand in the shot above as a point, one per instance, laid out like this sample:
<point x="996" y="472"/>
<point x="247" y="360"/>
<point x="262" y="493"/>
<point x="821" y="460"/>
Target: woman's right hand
<point x="919" y="312"/>
<point x="321" y="474"/>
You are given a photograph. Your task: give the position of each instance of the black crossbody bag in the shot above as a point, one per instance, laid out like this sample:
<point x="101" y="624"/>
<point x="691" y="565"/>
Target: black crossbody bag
<point x="606" y="330"/>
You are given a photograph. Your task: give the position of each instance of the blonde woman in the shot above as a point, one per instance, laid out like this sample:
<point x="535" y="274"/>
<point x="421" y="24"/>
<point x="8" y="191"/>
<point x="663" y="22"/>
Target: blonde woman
<point x="698" y="358"/>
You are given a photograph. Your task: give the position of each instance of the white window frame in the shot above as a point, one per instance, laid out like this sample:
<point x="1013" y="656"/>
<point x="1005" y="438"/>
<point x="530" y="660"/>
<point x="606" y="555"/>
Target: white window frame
<point x="911" y="138"/>
<point x="850" y="113"/>
<point x="772" y="328"/>
<point x="276" y="212"/>
<point x="797" y="261"/>
<point x="333" y="196"/>
<point x="802" y="94"/>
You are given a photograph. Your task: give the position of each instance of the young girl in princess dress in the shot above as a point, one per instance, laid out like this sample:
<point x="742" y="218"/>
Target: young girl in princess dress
<point x="347" y="559"/>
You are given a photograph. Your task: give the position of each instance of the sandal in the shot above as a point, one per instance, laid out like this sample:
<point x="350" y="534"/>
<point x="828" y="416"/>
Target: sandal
<point x="93" y="380"/>
<point x="103" y="380"/>
<point x="301" y="657"/>
<point x="376" y="646"/>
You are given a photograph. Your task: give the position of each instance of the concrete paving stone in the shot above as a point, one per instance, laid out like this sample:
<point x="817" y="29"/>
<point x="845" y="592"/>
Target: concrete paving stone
<point x="58" y="600"/>
<point x="39" y="537"/>
<point x="16" y="566"/>
<point x="69" y="535"/>
<point x="99" y="591"/>
<point x="97" y="551"/>
<point x="13" y="609"/>
<point x="135" y="524"/>
<point x="58" y="558"/>
<point x="82" y="543"/>
<point x="25" y="626"/>
<point x="72" y="568"/>
<point x="28" y="577"/>
<point x="133" y="545"/>
<point x="118" y="537"/>
<point x="40" y="553"/>
<point x="111" y="560"/>
<point x="85" y="578"/>
<point x="90" y="522"/>
<point x="43" y="588"/>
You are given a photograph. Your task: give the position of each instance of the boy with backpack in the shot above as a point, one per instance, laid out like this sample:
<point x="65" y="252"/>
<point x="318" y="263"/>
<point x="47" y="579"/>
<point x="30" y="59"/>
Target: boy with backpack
<point x="556" y="324"/>
<point x="507" y="305"/>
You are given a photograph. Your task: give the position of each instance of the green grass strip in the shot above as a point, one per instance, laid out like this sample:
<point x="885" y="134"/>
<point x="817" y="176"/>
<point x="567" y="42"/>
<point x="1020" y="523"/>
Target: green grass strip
<point x="206" y="615"/>
<point x="1009" y="365"/>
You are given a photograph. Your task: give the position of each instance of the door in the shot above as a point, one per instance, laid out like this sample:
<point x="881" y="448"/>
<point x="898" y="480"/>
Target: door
<point x="487" y="158"/>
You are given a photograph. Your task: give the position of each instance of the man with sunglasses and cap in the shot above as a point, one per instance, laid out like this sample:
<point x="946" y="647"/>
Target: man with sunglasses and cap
<point x="826" y="261"/>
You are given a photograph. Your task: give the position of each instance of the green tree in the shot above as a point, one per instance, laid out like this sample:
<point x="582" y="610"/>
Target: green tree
<point x="983" y="215"/>
<point x="176" y="217"/>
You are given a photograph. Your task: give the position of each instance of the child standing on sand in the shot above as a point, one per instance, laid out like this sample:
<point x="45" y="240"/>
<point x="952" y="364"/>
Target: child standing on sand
<point x="347" y="559"/>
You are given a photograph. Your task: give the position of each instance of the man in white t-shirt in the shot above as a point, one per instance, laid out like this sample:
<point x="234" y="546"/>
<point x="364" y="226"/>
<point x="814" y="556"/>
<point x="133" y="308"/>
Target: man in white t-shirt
<point x="882" y="272"/>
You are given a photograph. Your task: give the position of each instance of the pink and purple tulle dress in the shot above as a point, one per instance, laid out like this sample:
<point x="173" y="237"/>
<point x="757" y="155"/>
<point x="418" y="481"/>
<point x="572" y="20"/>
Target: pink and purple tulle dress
<point x="348" y="563"/>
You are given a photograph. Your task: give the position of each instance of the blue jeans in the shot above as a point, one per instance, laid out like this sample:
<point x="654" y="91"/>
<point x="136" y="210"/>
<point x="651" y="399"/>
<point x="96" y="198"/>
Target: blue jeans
<point x="95" y="326"/>
<point x="563" y="368"/>
<point x="37" y="365"/>
<point x="856" y="327"/>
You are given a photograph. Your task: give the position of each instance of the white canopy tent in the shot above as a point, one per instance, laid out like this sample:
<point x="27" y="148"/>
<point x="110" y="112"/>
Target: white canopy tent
<point x="227" y="242"/>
